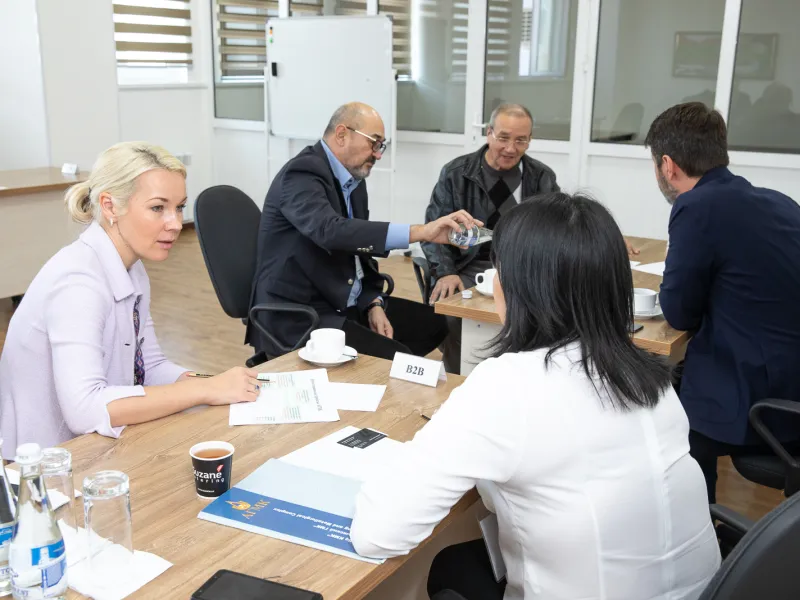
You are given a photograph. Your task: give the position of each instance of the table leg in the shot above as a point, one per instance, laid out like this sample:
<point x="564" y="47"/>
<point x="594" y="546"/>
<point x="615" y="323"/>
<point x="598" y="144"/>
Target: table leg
<point x="474" y="338"/>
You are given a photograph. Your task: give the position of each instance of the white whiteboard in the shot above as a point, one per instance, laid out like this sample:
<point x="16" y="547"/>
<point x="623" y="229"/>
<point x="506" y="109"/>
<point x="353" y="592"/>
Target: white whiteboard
<point x="322" y="63"/>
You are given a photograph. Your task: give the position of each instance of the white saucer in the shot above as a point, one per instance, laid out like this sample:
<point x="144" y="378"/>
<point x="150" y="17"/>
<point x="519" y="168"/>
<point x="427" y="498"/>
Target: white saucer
<point x="656" y="312"/>
<point x="307" y="356"/>
<point x="485" y="293"/>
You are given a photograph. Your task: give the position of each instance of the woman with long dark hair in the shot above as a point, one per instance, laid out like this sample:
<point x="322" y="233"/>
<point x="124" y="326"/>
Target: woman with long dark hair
<point x="573" y="435"/>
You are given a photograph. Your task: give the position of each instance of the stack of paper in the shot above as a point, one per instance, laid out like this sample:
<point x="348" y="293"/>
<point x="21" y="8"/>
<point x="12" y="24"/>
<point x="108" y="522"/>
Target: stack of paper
<point x="304" y="397"/>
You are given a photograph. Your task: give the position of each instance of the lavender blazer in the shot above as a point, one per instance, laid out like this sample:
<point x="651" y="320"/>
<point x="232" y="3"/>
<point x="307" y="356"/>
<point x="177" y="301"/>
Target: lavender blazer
<point x="70" y="346"/>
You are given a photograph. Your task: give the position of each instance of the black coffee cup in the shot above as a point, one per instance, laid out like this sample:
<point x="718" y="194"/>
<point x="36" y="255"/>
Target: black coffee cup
<point x="212" y="463"/>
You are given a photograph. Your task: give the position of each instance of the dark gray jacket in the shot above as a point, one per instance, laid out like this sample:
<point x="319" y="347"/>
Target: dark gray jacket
<point x="306" y="246"/>
<point x="460" y="187"/>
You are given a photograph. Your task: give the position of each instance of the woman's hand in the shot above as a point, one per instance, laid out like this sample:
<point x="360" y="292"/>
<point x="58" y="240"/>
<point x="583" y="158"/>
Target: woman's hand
<point x="238" y="384"/>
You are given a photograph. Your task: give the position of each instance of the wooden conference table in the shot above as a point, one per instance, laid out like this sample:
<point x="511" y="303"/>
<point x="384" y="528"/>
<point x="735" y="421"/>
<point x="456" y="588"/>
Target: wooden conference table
<point x="34" y="224"/>
<point x="480" y="321"/>
<point x="156" y="458"/>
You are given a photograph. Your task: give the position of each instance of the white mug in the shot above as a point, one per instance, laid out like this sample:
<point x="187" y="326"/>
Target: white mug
<point x="644" y="300"/>
<point x="485" y="280"/>
<point x="326" y="344"/>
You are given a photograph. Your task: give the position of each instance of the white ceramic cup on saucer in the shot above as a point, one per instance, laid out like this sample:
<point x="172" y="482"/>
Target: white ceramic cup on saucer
<point x="485" y="281"/>
<point x="326" y="345"/>
<point x="644" y="300"/>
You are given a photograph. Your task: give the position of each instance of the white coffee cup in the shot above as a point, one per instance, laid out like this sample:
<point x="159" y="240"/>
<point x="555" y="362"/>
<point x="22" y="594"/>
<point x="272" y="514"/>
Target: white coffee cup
<point x="644" y="300"/>
<point x="485" y="280"/>
<point x="326" y="344"/>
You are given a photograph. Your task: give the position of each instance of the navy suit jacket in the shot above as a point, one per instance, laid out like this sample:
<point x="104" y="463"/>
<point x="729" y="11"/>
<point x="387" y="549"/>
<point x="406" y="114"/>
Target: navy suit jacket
<point x="306" y="248"/>
<point x="732" y="278"/>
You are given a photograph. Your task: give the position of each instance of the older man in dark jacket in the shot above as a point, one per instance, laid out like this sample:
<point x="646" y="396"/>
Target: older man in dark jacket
<point x="316" y="246"/>
<point x="486" y="184"/>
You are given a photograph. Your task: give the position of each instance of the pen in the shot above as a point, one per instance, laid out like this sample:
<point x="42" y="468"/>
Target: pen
<point x="201" y="375"/>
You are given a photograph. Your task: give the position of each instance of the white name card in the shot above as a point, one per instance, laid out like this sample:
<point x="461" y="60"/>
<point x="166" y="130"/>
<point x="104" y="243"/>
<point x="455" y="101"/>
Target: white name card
<point x="69" y="169"/>
<point x="417" y="369"/>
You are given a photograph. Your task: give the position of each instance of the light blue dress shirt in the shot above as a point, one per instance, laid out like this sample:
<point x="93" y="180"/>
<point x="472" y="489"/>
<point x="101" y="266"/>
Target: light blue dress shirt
<point x="396" y="237"/>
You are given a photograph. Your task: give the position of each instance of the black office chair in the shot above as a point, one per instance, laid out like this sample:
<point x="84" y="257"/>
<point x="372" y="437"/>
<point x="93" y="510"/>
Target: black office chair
<point x="763" y="564"/>
<point x="227" y="222"/>
<point x="422" y="271"/>
<point x="780" y="470"/>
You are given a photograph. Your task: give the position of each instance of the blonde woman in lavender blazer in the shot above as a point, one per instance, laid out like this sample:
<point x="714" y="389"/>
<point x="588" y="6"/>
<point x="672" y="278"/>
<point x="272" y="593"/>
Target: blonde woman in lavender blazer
<point x="81" y="354"/>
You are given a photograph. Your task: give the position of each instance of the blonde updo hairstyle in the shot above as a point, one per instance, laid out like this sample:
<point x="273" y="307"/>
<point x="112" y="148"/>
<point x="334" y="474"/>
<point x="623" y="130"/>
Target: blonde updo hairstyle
<point x="115" y="171"/>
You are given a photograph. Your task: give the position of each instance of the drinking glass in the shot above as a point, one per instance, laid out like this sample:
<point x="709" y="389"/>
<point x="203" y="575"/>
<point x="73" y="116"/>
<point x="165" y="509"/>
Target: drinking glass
<point x="107" y="511"/>
<point x="57" y="475"/>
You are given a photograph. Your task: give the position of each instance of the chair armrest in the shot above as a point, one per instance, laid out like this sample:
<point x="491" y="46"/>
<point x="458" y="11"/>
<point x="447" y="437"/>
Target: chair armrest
<point x="731" y="518"/>
<point x="284" y="307"/>
<point x="756" y="420"/>
<point x="389" y="283"/>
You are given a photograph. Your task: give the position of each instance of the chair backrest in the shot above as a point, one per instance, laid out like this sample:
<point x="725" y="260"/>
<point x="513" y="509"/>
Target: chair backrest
<point x="764" y="563"/>
<point x="423" y="274"/>
<point x="227" y="222"/>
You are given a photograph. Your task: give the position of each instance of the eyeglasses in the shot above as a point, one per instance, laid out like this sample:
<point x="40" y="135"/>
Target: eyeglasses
<point x="520" y="144"/>
<point x="377" y="145"/>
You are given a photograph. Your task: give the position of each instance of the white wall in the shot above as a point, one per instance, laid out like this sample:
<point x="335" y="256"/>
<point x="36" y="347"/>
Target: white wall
<point x="23" y="131"/>
<point x="59" y="83"/>
<point x="80" y="79"/>
<point x="240" y="159"/>
<point x="177" y="119"/>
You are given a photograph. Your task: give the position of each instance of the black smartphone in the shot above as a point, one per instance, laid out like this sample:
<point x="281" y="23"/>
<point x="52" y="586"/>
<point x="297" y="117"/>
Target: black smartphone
<point x="636" y="327"/>
<point x="228" y="585"/>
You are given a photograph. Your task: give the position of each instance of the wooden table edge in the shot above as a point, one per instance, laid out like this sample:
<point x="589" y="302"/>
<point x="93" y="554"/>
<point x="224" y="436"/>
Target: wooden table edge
<point x="465" y="312"/>
<point x="43" y="187"/>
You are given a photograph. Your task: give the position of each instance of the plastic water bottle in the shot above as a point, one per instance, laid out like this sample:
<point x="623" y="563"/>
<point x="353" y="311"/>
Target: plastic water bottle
<point x="37" y="557"/>
<point x="8" y="510"/>
<point x="467" y="238"/>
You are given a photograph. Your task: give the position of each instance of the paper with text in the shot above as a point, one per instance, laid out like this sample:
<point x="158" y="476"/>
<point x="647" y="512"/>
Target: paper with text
<point x="417" y="369"/>
<point x="287" y="398"/>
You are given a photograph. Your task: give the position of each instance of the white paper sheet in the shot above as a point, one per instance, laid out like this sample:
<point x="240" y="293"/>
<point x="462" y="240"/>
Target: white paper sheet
<point x="329" y="456"/>
<point x="143" y="568"/>
<point x="140" y="570"/>
<point x="287" y="398"/>
<point x="353" y="396"/>
<point x="635" y="263"/>
<point x="652" y="268"/>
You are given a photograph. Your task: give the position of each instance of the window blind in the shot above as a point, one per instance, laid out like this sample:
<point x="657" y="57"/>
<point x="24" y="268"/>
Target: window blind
<point x="400" y="13"/>
<point x="153" y="32"/>
<point x="498" y="39"/>
<point x="241" y="38"/>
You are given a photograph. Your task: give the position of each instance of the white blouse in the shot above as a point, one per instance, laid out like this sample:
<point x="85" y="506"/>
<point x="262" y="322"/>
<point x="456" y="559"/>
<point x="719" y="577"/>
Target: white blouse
<point x="592" y="502"/>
